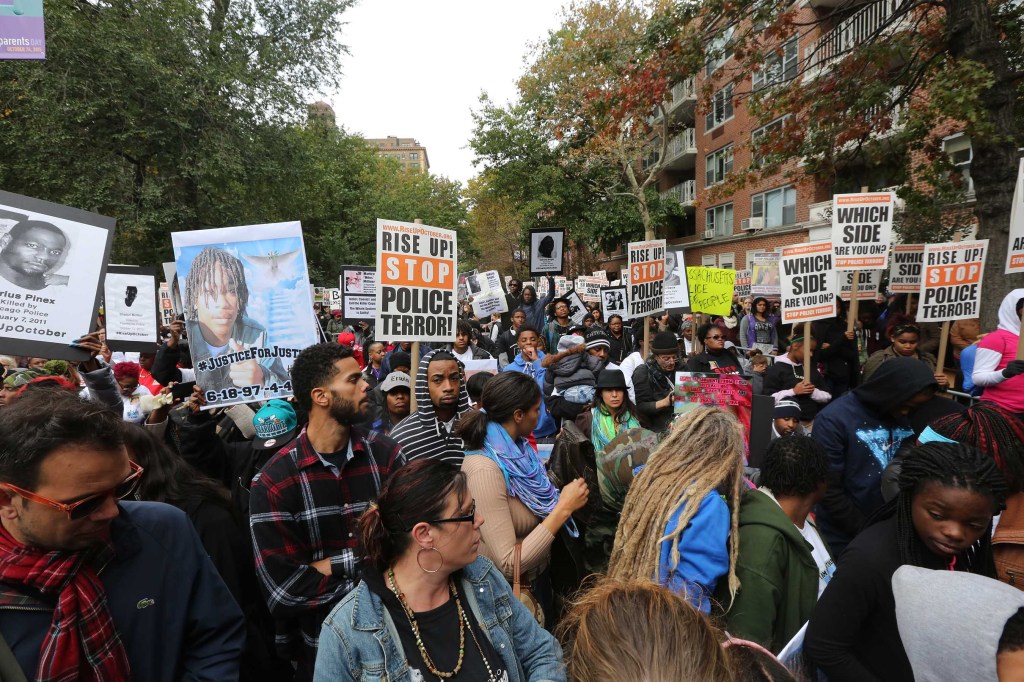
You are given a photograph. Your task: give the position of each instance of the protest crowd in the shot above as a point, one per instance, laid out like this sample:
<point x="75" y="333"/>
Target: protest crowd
<point x="550" y="493"/>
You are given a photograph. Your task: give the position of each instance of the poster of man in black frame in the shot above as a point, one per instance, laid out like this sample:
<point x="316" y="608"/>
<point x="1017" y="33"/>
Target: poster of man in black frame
<point x="55" y="299"/>
<point x="131" y="307"/>
<point x="358" y="293"/>
<point x="547" y="251"/>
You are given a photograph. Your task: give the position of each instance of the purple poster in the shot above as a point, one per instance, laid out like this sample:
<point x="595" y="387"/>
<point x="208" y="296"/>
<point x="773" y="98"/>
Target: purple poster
<point x="21" y="29"/>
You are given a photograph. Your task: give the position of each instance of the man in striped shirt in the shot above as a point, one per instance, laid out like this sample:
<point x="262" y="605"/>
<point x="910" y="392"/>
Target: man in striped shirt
<point x="306" y="502"/>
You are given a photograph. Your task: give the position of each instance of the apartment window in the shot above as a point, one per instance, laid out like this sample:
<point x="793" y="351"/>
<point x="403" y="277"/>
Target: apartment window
<point x="717" y="166"/>
<point x="961" y="153"/>
<point x="757" y="138"/>
<point x="709" y="261"/>
<point x="719" y="219"/>
<point x="414" y="155"/>
<point x="777" y="207"/>
<point x="720" y="51"/>
<point x="721" y="108"/>
<point x="779" y="67"/>
<point x="727" y="261"/>
<point x="652" y="154"/>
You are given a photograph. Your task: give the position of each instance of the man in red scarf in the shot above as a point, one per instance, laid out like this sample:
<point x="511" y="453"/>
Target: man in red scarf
<point x="92" y="588"/>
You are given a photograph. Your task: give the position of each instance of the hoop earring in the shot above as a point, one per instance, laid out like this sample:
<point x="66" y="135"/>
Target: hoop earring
<point x="429" y="549"/>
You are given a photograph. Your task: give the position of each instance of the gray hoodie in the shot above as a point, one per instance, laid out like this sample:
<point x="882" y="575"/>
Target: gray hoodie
<point x="950" y="622"/>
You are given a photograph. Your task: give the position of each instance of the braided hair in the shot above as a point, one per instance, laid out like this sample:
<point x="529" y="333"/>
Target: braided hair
<point x="704" y="452"/>
<point x="951" y="465"/>
<point x="995" y="432"/>
<point x="202" y="280"/>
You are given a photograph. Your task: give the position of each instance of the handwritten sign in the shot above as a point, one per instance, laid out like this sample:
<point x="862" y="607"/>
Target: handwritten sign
<point x="711" y="290"/>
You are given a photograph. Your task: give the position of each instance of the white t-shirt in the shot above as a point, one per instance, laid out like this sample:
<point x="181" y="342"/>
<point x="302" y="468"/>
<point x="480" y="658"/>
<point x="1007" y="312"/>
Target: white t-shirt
<point x="464" y="357"/>
<point x="133" y="406"/>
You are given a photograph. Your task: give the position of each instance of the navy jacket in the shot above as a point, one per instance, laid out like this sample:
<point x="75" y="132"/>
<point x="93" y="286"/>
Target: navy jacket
<point x="175" y="616"/>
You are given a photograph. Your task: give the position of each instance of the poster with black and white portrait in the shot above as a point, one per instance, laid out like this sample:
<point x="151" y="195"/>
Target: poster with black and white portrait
<point x="614" y="301"/>
<point x="52" y="260"/>
<point x="131" y="308"/>
<point x="547" y="254"/>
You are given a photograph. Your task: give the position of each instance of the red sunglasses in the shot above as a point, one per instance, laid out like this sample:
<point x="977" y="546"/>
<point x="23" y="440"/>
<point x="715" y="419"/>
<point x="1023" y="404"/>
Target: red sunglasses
<point x="85" y="507"/>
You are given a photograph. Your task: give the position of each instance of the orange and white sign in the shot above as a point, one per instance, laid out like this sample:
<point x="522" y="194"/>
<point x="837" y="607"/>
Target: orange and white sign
<point x="1015" y="246"/>
<point x="416" y="282"/>
<point x="646" y="277"/>
<point x="807" y="282"/>
<point x="951" y="281"/>
<point x="905" y="271"/>
<point x="862" y="230"/>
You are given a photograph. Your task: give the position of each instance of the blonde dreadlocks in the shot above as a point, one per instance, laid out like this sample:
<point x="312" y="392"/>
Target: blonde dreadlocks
<point x="704" y="451"/>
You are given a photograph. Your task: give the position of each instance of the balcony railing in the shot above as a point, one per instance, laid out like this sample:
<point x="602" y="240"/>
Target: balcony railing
<point x="874" y="19"/>
<point x="681" y="145"/>
<point x="684" y="92"/>
<point x="685" y="192"/>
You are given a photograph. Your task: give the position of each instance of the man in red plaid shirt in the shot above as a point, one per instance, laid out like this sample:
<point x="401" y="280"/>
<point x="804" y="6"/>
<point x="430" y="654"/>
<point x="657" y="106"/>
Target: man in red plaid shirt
<point x="306" y="502"/>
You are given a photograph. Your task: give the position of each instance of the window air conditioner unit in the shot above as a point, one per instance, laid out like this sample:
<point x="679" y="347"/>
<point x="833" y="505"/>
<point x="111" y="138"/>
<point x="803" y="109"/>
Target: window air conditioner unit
<point x="709" y="234"/>
<point x="753" y="224"/>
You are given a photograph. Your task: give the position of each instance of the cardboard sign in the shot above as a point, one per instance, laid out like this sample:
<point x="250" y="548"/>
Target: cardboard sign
<point x="951" y="281"/>
<point x="905" y="272"/>
<point x="711" y="290"/>
<point x="358" y="285"/>
<point x="615" y="301"/>
<point x="130" y="305"/>
<point x="52" y="262"/>
<point x="862" y="230"/>
<point x="677" y="285"/>
<point x="334" y="298"/>
<point x="868" y="282"/>
<point x="547" y="251"/>
<point x="743" y="280"/>
<point x="166" y="306"/>
<point x="22" y="34"/>
<point x="244" y="342"/>
<point x="807" y="281"/>
<point x="416" y="269"/>
<point x="646" y="277"/>
<point x="1015" y="250"/>
<point x="764" y="274"/>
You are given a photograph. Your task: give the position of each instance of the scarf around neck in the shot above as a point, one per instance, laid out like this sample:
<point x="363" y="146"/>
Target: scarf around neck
<point x="82" y="642"/>
<point x="524" y="473"/>
<point x="604" y="427"/>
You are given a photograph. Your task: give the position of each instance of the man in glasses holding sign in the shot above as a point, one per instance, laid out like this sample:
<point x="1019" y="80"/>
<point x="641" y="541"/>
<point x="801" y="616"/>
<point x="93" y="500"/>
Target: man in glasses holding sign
<point x="93" y="588"/>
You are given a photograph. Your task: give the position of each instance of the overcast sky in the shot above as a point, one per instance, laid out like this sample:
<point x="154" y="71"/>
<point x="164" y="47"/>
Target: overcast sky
<point x="417" y="67"/>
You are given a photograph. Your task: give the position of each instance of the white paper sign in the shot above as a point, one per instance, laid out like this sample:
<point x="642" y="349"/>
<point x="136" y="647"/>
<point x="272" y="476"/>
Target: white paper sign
<point x="1015" y="250"/>
<point x="905" y="272"/>
<point x="808" y="282"/>
<point x="862" y="230"/>
<point x="129" y="301"/>
<point x="867" y="284"/>
<point x="951" y="281"/>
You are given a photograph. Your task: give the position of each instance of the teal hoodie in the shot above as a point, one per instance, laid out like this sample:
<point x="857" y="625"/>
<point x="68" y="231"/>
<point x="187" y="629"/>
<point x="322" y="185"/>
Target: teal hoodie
<point x="778" y="576"/>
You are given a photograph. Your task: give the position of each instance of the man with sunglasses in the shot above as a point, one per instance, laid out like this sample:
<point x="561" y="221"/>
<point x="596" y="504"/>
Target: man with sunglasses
<point x="94" y="588"/>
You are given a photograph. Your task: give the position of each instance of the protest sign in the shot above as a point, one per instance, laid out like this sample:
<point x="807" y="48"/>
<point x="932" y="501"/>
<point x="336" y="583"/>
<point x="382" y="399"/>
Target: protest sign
<point x="711" y="290"/>
<point x="624" y="276"/>
<point x="318" y="295"/>
<point x="862" y="230"/>
<point x="731" y="392"/>
<point x="334" y="298"/>
<point x="615" y="301"/>
<point x="488" y="303"/>
<point x="480" y="282"/>
<point x="577" y="308"/>
<point x="951" y="281"/>
<point x="463" y="290"/>
<point x="248" y="308"/>
<point x="1015" y="250"/>
<point x="358" y="286"/>
<point x="166" y="306"/>
<point x="868" y="282"/>
<point x="562" y="286"/>
<point x="547" y="252"/>
<point x="130" y="307"/>
<point x="646" y="277"/>
<point x="22" y="34"/>
<point x="52" y="260"/>
<point x="603" y="274"/>
<point x="905" y="272"/>
<point x="540" y="286"/>
<point x="808" y="283"/>
<point x="471" y="367"/>
<point x="589" y="288"/>
<point x="742" y="286"/>
<point x="416" y="287"/>
<point x="764" y="274"/>
<point x="174" y="287"/>
<point x="677" y="286"/>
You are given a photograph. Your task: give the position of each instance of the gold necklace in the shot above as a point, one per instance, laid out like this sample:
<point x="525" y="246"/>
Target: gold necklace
<point x="416" y="630"/>
<point x="490" y="673"/>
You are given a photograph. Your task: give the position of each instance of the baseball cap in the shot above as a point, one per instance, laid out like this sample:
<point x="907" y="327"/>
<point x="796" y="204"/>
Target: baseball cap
<point x="275" y="424"/>
<point x="396" y="380"/>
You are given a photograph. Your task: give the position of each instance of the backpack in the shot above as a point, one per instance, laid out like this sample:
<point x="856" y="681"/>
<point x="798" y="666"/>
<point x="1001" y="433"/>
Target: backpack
<point x="1008" y="543"/>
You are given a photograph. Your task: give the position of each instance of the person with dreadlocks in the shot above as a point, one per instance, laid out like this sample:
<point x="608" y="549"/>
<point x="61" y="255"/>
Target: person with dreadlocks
<point x="941" y="519"/>
<point x="676" y="527"/>
<point x="216" y="296"/>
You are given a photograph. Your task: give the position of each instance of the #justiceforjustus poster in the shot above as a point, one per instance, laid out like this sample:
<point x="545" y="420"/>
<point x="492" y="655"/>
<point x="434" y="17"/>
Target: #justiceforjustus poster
<point x="248" y="308"/>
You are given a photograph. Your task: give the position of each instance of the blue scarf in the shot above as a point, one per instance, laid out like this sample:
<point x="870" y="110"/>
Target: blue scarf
<point x="524" y="473"/>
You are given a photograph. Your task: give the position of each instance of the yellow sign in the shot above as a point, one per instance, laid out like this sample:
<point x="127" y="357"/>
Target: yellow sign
<point x="711" y="290"/>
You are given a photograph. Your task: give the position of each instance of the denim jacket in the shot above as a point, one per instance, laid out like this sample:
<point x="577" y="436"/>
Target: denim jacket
<point x="359" y="640"/>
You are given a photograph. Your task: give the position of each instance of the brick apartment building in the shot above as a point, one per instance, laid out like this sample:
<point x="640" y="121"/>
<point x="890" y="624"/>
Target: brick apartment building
<point x="710" y="142"/>
<point x="408" y="152"/>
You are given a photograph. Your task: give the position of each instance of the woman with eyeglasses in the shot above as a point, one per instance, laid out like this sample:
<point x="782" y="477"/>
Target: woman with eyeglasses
<point x="716" y="358"/>
<point x="904" y="336"/>
<point x="429" y="606"/>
